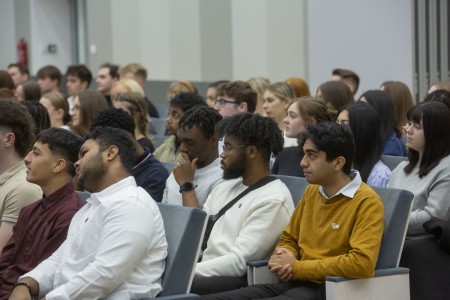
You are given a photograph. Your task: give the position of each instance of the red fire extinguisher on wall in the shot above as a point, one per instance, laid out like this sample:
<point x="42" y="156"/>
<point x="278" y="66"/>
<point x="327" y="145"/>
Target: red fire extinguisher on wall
<point x="22" y="55"/>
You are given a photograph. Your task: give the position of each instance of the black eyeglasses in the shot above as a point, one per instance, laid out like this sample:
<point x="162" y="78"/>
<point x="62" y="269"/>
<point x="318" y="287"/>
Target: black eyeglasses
<point x="222" y="102"/>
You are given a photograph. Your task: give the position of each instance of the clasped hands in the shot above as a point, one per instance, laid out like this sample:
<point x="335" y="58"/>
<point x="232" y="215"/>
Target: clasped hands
<point x="280" y="263"/>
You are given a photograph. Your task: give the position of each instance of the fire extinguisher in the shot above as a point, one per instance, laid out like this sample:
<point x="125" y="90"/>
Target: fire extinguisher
<point x="22" y="55"/>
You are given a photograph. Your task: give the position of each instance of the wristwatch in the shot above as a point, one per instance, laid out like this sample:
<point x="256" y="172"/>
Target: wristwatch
<point x="187" y="186"/>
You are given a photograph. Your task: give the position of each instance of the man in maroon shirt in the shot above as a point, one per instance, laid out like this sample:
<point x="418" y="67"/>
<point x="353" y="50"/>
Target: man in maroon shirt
<point x="42" y="226"/>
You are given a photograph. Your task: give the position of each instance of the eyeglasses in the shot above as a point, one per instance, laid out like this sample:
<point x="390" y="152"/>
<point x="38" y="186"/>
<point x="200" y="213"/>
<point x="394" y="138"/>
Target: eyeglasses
<point x="222" y="102"/>
<point x="414" y="125"/>
<point x="228" y="148"/>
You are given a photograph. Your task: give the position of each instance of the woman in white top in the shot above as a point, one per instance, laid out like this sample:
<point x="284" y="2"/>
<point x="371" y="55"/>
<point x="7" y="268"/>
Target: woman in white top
<point x="57" y="108"/>
<point x="427" y="172"/>
<point x="276" y="99"/>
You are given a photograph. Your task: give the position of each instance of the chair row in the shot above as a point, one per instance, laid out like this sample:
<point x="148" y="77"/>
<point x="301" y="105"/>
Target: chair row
<point x="390" y="281"/>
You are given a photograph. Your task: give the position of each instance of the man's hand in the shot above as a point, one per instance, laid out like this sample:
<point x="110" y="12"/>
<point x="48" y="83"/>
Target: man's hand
<point x="184" y="171"/>
<point x="20" y="292"/>
<point x="283" y="272"/>
<point x="280" y="263"/>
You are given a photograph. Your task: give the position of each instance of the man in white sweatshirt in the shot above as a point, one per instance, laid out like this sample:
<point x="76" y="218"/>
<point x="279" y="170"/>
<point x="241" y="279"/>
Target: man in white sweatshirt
<point x="250" y="228"/>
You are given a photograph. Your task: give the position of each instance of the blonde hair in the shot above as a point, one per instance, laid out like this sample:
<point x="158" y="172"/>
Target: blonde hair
<point x="313" y="108"/>
<point x="138" y="70"/>
<point x="59" y="101"/>
<point x="177" y="87"/>
<point x="131" y="85"/>
<point x="138" y="109"/>
<point x="282" y="91"/>
<point x="259" y="85"/>
<point x="442" y="85"/>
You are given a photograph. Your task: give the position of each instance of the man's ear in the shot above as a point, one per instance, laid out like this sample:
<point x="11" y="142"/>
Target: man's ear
<point x="84" y="85"/>
<point x="59" y="165"/>
<point x="339" y="163"/>
<point x="214" y="140"/>
<point x="243" y="107"/>
<point x="112" y="152"/>
<point x="60" y="113"/>
<point x="252" y="151"/>
<point x="10" y="139"/>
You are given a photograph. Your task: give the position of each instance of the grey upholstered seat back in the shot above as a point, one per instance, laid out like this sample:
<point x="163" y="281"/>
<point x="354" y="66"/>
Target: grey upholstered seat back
<point x="296" y="186"/>
<point x="392" y="161"/>
<point x="184" y="233"/>
<point x="157" y="126"/>
<point x="397" y="207"/>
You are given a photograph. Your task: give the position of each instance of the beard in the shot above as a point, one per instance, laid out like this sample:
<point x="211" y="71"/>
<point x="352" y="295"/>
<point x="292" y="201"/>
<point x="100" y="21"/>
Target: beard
<point x="92" y="174"/>
<point x="235" y="170"/>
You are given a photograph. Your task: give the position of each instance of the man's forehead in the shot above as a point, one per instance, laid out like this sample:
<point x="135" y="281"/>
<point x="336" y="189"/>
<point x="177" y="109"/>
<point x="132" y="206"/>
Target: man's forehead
<point x="103" y="70"/>
<point x="309" y="145"/>
<point x="226" y="97"/>
<point x="227" y="139"/>
<point x="187" y="132"/>
<point x="89" y="143"/>
<point x="13" y="69"/>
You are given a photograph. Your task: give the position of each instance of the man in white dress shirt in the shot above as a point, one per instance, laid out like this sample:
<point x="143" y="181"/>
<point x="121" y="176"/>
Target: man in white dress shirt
<point x="115" y="246"/>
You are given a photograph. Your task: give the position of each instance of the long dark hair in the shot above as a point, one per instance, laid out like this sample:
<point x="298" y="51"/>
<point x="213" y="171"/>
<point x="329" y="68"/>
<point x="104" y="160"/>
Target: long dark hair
<point x="365" y="125"/>
<point x="384" y="106"/>
<point x="435" y="117"/>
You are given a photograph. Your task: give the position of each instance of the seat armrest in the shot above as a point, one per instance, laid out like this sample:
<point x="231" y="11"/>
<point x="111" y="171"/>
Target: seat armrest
<point x="259" y="273"/>
<point x="378" y="273"/>
<point x="391" y="271"/>
<point x="258" y="263"/>
<point x="176" y="297"/>
<point x="179" y="297"/>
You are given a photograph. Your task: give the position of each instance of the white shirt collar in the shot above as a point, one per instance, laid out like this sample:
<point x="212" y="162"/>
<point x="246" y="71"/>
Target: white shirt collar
<point x="348" y="190"/>
<point x="97" y="198"/>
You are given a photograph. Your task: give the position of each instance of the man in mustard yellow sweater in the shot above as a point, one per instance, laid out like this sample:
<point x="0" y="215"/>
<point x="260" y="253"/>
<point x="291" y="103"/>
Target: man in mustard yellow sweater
<point x="335" y="230"/>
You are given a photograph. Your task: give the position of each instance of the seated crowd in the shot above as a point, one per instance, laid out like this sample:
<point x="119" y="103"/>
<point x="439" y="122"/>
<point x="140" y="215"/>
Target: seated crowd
<point x="219" y="155"/>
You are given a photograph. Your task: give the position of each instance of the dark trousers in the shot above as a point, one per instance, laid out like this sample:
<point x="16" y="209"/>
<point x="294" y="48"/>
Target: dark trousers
<point x="217" y="284"/>
<point x="303" y="290"/>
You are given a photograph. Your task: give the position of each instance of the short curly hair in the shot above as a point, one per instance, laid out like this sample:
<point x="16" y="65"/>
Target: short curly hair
<point x="204" y="117"/>
<point x="256" y="130"/>
<point x="16" y="118"/>
<point x="187" y="100"/>
<point x="115" y="118"/>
